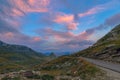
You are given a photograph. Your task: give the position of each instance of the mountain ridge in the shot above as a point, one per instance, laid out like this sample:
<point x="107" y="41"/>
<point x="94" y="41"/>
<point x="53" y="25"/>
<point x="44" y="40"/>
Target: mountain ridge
<point x="18" y="48"/>
<point x="107" y="48"/>
<point x="14" y="57"/>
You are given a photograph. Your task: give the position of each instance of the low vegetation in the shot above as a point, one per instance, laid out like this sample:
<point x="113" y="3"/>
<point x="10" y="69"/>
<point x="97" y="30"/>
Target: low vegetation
<point x="69" y="66"/>
<point x="9" y="78"/>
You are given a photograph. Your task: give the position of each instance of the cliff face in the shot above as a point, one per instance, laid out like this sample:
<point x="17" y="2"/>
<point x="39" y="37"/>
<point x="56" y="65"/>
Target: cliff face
<point x="107" y="48"/>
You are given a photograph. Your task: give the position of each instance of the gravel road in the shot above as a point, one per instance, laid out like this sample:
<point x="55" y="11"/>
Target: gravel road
<point x="112" y="69"/>
<point x="108" y="65"/>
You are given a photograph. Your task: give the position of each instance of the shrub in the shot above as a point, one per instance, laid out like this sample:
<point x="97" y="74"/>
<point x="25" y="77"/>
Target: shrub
<point x="9" y="78"/>
<point x="35" y="76"/>
<point x="47" y="77"/>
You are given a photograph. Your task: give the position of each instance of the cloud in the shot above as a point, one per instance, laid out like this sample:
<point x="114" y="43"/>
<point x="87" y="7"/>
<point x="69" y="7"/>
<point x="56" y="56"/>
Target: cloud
<point x="16" y="8"/>
<point x="5" y="27"/>
<point x="70" y="40"/>
<point x="100" y="8"/>
<point x="91" y="11"/>
<point x="9" y="22"/>
<point x="72" y="26"/>
<point x="110" y="22"/>
<point x="21" y="39"/>
<point x="36" y="39"/>
<point x="63" y="40"/>
<point x="115" y="19"/>
<point x="83" y="43"/>
<point x="22" y="7"/>
<point x="11" y="34"/>
<point x="13" y="11"/>
<point x="68" y="20"/>
<point x="63" y="18"/>
<point x="83" y="38"/>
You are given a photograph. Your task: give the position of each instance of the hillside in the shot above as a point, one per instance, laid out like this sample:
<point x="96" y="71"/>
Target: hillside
<point x="14" y="57"/>
<point x="4" y="47"/>
<point x="71" y="68"/>
<point x="107" y="48"/>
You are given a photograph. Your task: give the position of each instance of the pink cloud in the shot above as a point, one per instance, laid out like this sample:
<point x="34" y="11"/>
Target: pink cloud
<point x="68" y="39"/>
<point x="66" y="19"/>
<point x="16" y="12"/>
<point x="58" y="38"/>
<point x="31" y="2"/>
<point x="19" y="38"/>
<point x="14" y="24"/>
<point x="92" y="11"/>
<point x="84" y="35"/>
<point x="36" y="39"/>
<point x="21" y="6"/>
<point x="51" y="32"/>
<point x="99" y="8"/>
<point x="64" y="37"/>
<point x="72" y="26"/>
<point x="9" y="35"/>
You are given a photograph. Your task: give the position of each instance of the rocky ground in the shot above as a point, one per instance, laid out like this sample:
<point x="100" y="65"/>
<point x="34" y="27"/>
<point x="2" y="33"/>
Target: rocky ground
<point x="107" y="75"/>
<point x="112" y="75"/>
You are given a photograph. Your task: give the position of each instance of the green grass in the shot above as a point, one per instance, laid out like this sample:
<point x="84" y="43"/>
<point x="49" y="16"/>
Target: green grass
<point x="69" y="66"/>
<point x="8" y="78"/>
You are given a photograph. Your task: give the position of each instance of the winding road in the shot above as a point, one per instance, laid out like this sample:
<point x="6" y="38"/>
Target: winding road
<point x="104" y="64"/>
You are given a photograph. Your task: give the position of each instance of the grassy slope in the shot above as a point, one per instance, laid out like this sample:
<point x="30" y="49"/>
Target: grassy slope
<point x="69" y="66"/>
<point x="107" y="48"/>
<point x="15" y="57"/>
<point x="8" y="66"/>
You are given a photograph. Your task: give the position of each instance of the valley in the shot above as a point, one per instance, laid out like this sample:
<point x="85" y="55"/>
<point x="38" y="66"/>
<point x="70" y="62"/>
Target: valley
<point x="96" y="62"/>
<point x="59" y="39"/>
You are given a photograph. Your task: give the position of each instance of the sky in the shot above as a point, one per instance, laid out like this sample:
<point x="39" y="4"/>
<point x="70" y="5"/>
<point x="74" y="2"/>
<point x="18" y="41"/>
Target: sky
<point x="57" y="25"/>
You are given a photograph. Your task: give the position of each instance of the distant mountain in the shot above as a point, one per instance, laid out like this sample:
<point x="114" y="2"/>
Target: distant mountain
<point x="107" y="48"/>
<point x="52" y="55"/>
<point x="12" y="55"/>
<point x="4" y="47"/>
<point x="59" y="53"/>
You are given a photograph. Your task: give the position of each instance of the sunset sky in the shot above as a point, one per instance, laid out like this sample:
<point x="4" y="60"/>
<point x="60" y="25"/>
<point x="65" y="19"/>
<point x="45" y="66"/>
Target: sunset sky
<point x="57" y="25"/>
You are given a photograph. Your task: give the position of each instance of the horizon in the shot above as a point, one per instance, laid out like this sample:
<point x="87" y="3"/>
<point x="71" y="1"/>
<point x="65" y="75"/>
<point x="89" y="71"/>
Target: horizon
<point x="57" y="26"/>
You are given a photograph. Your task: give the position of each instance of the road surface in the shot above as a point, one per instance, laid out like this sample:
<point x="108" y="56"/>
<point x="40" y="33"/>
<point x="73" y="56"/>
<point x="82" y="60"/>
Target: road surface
<point x="104" y="64"/>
